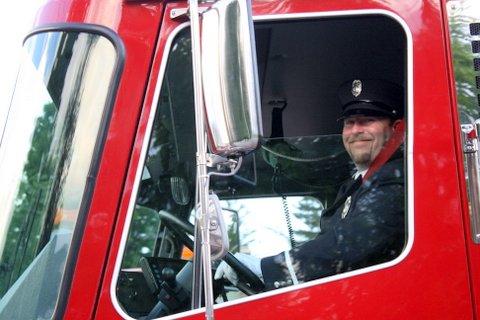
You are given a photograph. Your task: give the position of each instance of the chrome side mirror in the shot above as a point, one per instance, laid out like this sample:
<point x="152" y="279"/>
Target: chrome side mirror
<point x="230" y="78"/>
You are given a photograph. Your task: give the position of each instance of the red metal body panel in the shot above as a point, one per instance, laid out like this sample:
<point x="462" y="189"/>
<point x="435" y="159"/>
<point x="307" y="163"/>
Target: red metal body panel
<point x="432" y="282"/>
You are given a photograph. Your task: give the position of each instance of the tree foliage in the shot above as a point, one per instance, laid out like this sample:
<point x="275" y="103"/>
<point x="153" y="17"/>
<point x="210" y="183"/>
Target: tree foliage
<point x="463" y="63"/>
<point x="23" y="234"/>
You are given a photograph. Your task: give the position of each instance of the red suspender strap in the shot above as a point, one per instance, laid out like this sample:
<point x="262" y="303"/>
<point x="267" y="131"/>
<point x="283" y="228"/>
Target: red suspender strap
<point x="388" y="149"/>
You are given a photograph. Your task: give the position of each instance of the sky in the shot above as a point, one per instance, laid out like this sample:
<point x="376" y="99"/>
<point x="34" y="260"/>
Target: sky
<point x="16" y="19"/>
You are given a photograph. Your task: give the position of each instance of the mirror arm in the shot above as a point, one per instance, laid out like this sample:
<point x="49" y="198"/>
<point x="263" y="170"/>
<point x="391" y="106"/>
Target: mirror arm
<point x="202" y="179"/>
<point x="183" y="13"/>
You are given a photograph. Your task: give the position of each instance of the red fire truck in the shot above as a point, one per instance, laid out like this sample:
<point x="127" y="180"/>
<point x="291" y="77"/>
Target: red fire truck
<point x="108" y="196"/>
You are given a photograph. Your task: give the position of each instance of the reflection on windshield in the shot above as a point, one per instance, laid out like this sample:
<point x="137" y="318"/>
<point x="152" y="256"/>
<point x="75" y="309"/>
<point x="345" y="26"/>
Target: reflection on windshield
<point x="307" y="165"/>
<point x="45" y="158"/>
<point x="28" y="173"/>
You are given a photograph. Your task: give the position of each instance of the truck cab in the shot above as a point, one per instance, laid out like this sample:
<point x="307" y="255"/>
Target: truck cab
<point x="99" y="162"/>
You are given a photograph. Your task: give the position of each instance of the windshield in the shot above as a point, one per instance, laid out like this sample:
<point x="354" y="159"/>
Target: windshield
<point x="45" y="158"/>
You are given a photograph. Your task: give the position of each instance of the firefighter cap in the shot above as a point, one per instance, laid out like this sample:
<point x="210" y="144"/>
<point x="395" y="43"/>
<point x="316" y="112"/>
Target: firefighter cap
<point x="371" y="98"/>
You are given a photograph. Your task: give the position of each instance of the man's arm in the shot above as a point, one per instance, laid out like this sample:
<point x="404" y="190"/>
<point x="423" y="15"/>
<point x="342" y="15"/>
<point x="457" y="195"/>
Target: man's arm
<point x="372" y="232"/>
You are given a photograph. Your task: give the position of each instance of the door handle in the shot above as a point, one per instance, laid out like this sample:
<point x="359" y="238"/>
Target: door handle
<point x="470" y="150"/>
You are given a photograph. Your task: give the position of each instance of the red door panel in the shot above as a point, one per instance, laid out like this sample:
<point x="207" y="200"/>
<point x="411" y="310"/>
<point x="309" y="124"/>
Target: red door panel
<point x="432" y="281"/>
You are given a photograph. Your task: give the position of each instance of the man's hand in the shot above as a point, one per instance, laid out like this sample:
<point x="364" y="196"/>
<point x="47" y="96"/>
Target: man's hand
<point x="251" y="262"/>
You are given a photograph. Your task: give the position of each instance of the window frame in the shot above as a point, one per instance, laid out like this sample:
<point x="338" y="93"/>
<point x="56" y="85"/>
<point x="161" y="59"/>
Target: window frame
<point x="114" y="39"/>
<point x="409" y="183"/>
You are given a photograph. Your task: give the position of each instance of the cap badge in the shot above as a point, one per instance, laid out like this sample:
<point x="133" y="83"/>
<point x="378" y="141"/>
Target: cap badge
<point x="356" y="88"/>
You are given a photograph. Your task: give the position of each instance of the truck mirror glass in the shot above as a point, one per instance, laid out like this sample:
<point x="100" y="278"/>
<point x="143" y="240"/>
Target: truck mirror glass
<point x="230" y="78"/>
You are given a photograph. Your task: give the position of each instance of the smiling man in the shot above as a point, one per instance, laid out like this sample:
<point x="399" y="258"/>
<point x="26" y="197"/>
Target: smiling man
<point x="366" y="223"/>
<point x="372" y="110"/>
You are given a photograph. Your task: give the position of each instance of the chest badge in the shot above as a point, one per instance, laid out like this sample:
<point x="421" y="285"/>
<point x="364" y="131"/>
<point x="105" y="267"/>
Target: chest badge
<point x="346" y="207"/>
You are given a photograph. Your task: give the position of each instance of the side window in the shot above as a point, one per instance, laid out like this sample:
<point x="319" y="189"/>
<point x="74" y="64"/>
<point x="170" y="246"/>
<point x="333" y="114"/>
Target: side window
<point x="160" y="233"/>
<point x="297" y="207"/>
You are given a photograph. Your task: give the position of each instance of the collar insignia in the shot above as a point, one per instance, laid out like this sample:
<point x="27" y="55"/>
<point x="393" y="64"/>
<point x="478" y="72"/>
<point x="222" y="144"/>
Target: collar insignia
<point x="346" y="207"/>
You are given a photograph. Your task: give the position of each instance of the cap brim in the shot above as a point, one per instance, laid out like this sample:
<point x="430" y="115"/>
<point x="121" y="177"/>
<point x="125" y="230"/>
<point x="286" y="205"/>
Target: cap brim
<point x="366" y="109"/>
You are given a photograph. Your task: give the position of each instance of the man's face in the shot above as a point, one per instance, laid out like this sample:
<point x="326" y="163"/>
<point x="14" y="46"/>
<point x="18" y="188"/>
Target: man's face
<point x="364" y="137"/>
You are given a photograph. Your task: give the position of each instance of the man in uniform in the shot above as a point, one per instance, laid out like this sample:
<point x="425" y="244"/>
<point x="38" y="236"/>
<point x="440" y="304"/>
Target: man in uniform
<point x="366" y="223"/>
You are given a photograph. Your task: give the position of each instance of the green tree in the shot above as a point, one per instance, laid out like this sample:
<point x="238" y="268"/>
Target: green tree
<point x="463" y="65"/>
<point x="308" y="211"/>
<point x="142" y="236"/>
<point x="27" y="220"/>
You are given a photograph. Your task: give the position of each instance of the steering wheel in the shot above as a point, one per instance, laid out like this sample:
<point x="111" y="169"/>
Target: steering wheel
<point x="248" y="282"/>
